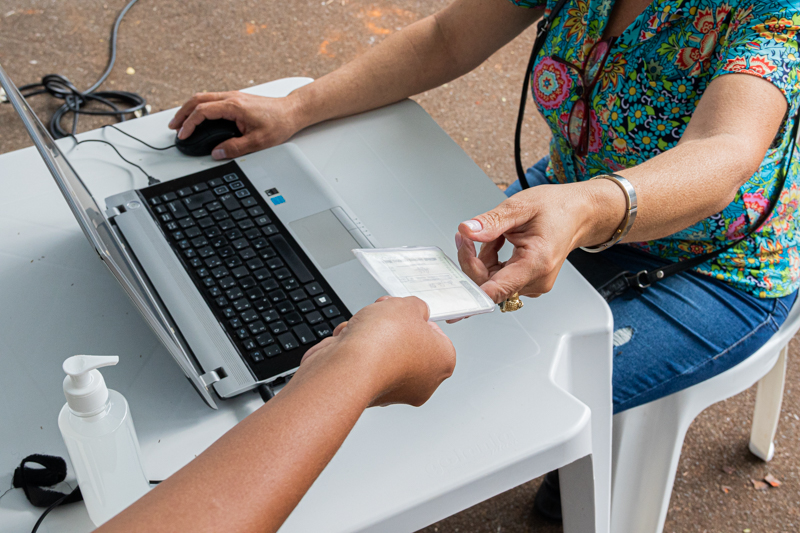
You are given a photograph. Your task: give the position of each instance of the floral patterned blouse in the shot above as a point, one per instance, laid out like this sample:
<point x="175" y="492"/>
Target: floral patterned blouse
<point x="651" y="83"/>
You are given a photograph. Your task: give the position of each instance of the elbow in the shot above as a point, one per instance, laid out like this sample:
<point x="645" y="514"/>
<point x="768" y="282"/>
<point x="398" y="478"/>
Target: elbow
<point x="743" y="158"/>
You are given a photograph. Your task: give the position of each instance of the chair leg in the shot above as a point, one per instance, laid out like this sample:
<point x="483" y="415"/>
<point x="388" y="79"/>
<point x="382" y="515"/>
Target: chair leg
<point x="768" y="409"/>
<point x="646" y="449"/>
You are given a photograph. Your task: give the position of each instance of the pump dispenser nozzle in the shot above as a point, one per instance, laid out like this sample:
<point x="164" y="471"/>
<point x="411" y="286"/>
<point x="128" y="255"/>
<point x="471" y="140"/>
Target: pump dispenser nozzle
<point x="84" y="385"/>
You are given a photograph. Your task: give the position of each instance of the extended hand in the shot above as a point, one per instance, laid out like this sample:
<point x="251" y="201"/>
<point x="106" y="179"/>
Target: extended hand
<point x="263" y="121"/>
<point x="392" y="346"/>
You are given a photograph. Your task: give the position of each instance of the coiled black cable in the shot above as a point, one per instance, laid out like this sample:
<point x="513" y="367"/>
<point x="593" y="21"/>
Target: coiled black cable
<point x="117" y="103"/>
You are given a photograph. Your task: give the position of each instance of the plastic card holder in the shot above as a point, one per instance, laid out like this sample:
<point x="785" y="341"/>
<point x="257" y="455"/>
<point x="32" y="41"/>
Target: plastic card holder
<point x="427" y="273"/>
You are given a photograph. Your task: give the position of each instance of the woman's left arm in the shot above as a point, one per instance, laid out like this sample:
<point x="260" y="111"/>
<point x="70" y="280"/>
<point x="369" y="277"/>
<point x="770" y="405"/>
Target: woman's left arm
<point x="725" y="142"/>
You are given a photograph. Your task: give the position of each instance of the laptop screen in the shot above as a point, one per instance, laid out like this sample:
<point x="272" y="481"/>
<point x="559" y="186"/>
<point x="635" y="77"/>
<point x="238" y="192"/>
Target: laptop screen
<point x="98" y="231"/>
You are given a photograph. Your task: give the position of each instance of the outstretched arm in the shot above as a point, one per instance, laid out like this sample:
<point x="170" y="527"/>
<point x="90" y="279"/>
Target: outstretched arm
<point x="387" y="353"/>
<point x="424" y="55"/>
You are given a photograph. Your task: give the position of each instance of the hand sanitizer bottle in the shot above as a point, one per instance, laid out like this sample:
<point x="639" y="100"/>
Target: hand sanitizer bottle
<point x="98" y="431"/>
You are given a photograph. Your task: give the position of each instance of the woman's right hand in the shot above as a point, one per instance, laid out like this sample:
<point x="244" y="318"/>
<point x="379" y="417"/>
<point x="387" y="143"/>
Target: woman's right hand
<point x="263" y="121"/>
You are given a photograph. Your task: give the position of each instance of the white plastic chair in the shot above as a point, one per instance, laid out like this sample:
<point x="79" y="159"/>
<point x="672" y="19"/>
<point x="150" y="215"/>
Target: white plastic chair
<point x="647" y="440"/>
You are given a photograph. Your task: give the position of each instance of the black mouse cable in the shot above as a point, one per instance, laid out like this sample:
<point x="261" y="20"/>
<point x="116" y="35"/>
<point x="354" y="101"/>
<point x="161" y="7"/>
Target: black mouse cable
<point x="60" y="87"/>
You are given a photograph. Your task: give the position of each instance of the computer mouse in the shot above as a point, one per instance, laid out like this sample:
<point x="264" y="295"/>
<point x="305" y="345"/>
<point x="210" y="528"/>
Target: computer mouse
<point x="206" y="136"/>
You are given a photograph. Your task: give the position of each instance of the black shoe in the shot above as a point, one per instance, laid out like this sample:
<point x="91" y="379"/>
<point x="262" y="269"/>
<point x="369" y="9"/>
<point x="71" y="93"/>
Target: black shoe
<point x="547" y="502"/>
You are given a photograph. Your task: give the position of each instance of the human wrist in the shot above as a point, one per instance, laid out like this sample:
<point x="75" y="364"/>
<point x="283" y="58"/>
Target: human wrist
<point x="302" y="111"/>
<point x="604" y="207"/>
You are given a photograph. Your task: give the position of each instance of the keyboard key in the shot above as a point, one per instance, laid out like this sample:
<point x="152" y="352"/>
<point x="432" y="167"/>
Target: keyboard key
<point x="242" y="304"/>
<point x="169" y="196"/>
<point x="218" y="242"/>
<point x="241" y="193"/>
<point x="259" y="243"/>
<point x="216" y="182"/>
<point x="205" y="222"/>
<point x="269" y="285"/>
<point x="314" y="317"/>
<point x="297" y="295"/>
<point x="247" y="282"/>
<point x="240" y="272"/>
<point x="279" y="326"/>
<point x="274" y="263"/>
<point x="293" y="318"/>
<point x="186" y="191"/>
<point x="272" y="351"/>
<point x="206" y="251"/>
<point x="322" y="300"/>
<point x="155" y="200"/>
<point x="191" y="233"/>
<point x="336" y="321"/>
<point x="227" y="251"/>
<point x="178" y="235"/>
<point x="190" y="253"/>
<point x="199" y="213"/>
<point x="236" y="185"/>
<point x="225" y="225"/>
<point x="234" y="234"/>
<point x="282" y="273"/>
<point x="255" y="264"/>
<point x="265" y="339"/>
<point x="270" y="316"/>
<point x="255" y="293"/>
<point x="209" y="281"/>
<point x="212" y="232"/>
<point x="219" y="272"/>
<point x="284" y="307"/>
<point x="277" y="296"/>
<point x="306" y="306"/>
<point x="199" y="241"/>
<point x="203" y="272"/>
<point x="221" y="301"/>
<point x="255" y="211"/>
<point x="184" y="244"/>
<point x="215" y="292"/>
<point x="213" y="206"/>
<point x="270" y="229"/>
<point x="172" y="226"/>
<point x="288" y="341"/>
<point x="240" y="244"/>
<point x="261" y="304"/>
<point x="246" y="224"/>
<point x="230" y="203"/>
<point x="262" y="274"/>
<point x="257" y="327"/>
<point x="267" y="253"/>
<point x="292" y="259"/>
<point x="200" y="187"/>
<point x="196" y="201"/>
<point x="186" y="222"/>
<point x="256" y="356"/>
<point x="252" y="233"/>
<point x="196" y="262"/>
<point x="220" y="215"/>
<point x="249" y="202"/>
<point x="323" y="330"/>
<point x="227" y="283"/>
<point x="213" y="261"/>
<point x="262" y="221"/>
<point x="236" y="323"/>
<point x="234" y="293"/>
<point x="331" y="311"/>
<point x="229" y="312"/>
<point x="249" y="315"/>
<point x="177" y="210"/>
<point x="247" y="254"/>
<point x="290" y="284"/>
<point x="221" y="190"/>
<point x="233" y="262"/>
<point x="161" y="209"/>
<point x="242" y="333"/>
<point x="165" y="217"/>
<point x="304" y="334"/>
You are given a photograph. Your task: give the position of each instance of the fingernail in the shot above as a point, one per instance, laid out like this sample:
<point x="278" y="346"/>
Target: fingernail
<point x="473" y="225"/>
<point x="180" y="133"/>
<point x="171" y="123"/>
<point x="459" y="241"/>
<point x="219" y="153"/>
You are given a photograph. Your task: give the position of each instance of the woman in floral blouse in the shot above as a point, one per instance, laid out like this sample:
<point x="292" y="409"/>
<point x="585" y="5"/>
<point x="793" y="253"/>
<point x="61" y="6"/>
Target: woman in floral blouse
<point x="691" y="101"/>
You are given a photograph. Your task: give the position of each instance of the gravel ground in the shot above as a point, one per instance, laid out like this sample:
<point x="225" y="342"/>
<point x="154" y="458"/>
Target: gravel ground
<point x="177" y="48"/>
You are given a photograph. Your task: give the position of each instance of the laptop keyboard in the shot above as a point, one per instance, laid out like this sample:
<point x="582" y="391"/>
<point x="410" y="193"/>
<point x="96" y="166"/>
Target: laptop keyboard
<point x="266" y="293"/>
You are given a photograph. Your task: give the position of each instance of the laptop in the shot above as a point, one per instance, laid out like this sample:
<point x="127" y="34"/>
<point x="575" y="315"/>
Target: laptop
<point x="235" y="283"/>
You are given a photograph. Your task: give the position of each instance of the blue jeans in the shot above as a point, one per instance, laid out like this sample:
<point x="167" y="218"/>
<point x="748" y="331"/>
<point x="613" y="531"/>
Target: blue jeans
<point x="681" y="331"/>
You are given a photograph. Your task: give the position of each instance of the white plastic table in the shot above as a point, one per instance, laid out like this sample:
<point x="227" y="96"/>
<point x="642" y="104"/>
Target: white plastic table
<point x="531" y="391"/>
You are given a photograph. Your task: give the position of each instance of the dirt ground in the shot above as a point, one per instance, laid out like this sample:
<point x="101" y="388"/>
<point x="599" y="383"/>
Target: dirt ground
<point x="171" y="49"/>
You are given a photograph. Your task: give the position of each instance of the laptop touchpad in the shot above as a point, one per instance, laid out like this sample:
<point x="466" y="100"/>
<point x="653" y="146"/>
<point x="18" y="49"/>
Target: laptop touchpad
<point x="325" y="238"/>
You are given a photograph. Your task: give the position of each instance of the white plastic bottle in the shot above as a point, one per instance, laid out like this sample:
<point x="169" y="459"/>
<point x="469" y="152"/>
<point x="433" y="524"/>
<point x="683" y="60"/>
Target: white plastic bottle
<point x="98" y="431"/>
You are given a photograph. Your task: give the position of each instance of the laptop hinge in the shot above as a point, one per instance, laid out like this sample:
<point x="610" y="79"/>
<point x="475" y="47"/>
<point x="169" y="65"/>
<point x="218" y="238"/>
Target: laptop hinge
<point x="209" y="378"/>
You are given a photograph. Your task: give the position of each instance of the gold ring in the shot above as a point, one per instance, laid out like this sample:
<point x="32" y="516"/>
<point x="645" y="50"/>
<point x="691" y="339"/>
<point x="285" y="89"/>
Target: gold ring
<point x="512" y="303"/>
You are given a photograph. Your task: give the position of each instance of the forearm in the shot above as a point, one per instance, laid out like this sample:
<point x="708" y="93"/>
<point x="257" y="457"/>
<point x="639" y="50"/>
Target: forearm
<point x="252" y="477"/>
<point x="422" y="56"/>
